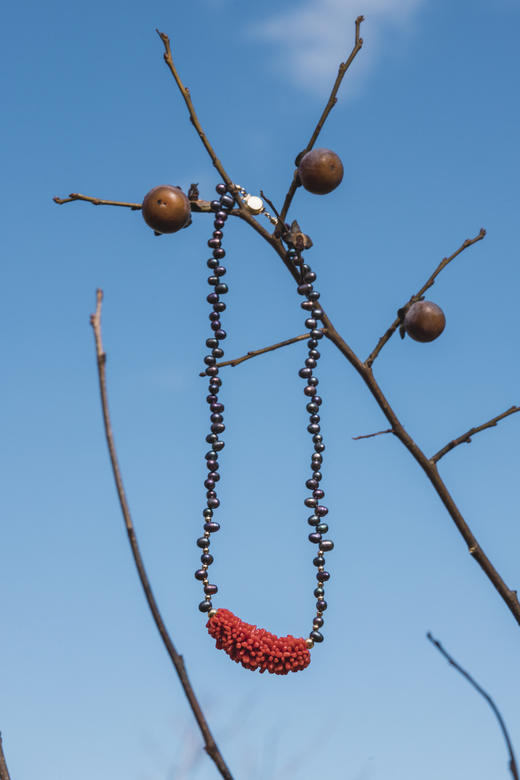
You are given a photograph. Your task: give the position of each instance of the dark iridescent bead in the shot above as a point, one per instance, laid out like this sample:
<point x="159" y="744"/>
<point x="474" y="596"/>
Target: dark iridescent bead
<point x="313" y="296"/>
<point x="306" y="305"/>
<point x="317" y="457"/>
<point x="310" y="502"/>
<point x="322" y="511"/>
<point x="213" y="315"/>
<point x="210" y="360"/>
<point x="314" y="418"/>
<point x="227" y="201"/>
<point x="321" y="605"/>
<point x="210" y="590"/>
<point x="313" y="381"/>
<point x="323" y="576"/>
<point x="215" y="475"/>
<point x="313" y="520"/>
<point x="219" y="445"/>
<point x="218" y="234"/>
<point x="319" y="591"/>
<point x="212" y="297"/>
<point x="221" y="188"/>
<point x="205" y="606"/>
<point x="310" y="323"/>
<point x="212" y="465"/>
<point x="211" y="455"/>
<point x="311" y="484"/>
<point x="212" y="527"/>
<point x="215" y="325"/>
<point x="221" y="215"/>
<point x="313" y="353"/>
<point x="317" y="622"/>
<point x="214" y="503"/>
<point x="218" y="427"/>
<point x="326" y="545"/>
<point x="305" y="373"/>
<point x="317" y="474"/>
<point x="220" y="271"/>
<point x="317" y="439"/>
<point x="305" y="268"/>
<point x="203" y="541"/>
<point x="316" y="468"/>
<point x="209" y="484"/>
<point x="318" y="493"/>
<point x="219" y="223"/>
<point x="212" y="399"/>
<point x="304" y="289"/>
<point x="314" y="538"/>
<point x="206" y="558"/>
<point x="319" y="447"/>
<point x="315" y="334"/>
<point x="312" y="343"/>
<point x="314" y="635"/>
<point x="313" y="428"/>
<point x="219" y="253"/>
<point x="220" y="334"/>
<point x="211" y="438"/>
<point x="312" y="407"/>
<point x="310" y="363"/>
<point x="207" y="513"/>
<point x="322" y="528"/>
<point x="317" y="400"/>
<point x="211" y="371"/>
<point x="212" y="262"/>
<point x="215" y="205"/>
<point x="309" y="390"/>
<point x="319" y="560"/>
<point x="216" y="418"/>
<point x="217" y="407"/>
<point x="220" y="306"/>
<point x="221" y="288"/>
<point x="214" y="243"/>
<point x="317" y="314"/>
<point x="212" y="343"/>
<point x="310" y="276"/>
<point x="201" y="574"/>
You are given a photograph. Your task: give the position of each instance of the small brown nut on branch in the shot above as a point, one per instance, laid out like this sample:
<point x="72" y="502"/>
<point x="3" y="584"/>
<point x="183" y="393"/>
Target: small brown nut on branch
<point x="166" y="209"/>
<point x="320" y="171"/>
<point x="424" y="321"/>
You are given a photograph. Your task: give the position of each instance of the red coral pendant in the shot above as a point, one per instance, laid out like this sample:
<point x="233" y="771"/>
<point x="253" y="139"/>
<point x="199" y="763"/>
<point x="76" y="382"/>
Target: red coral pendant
<point x="256" y="648"/>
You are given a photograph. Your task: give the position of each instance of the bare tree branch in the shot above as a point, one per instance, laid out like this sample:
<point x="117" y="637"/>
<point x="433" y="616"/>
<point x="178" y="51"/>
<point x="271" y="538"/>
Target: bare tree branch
<point x="466" y="437"/>
<point x="4" y="772"/>
<point x="177" y="660"/>
<point x="253" y="353"/>
<point x="512" y="762"/>
<point x="344" y="66"/>
<point x="96" y="201"/>
<point x="397" y="322"/>
<point x="371" y="435"/>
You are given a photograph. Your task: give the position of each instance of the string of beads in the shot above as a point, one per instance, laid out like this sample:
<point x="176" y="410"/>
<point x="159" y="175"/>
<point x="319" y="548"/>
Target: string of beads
<point x="257" y="648"/>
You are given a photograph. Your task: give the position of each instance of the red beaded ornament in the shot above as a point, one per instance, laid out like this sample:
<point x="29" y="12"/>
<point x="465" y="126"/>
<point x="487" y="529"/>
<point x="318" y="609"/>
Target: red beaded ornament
<point x="255" y="648"/>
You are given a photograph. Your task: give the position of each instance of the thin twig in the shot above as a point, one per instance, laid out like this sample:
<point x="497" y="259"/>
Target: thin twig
<point x="177" y="660"/>
<point x="253" y="353"/>
<point x="4" y="772"/>
<point x="512" y="762"/>
<point x="97" y="201"/>
<point x="371" y="435"/>
<point x="466" y="437"/>
<point x="426" y="286"/>
<point x="344" y="66"/>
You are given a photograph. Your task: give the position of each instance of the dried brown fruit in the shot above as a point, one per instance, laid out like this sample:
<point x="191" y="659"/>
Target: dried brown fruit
<point x="424" y="321"/>
<point x="320" y="170"/>
<point x="166" y="209"/>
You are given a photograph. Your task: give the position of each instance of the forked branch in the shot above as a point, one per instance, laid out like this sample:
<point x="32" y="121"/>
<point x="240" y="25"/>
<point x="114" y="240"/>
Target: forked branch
<point x="512" y="761"/>
<point x="254" y="352"/>
<point x="466" y="437"/>
<point x="177" y="660"/>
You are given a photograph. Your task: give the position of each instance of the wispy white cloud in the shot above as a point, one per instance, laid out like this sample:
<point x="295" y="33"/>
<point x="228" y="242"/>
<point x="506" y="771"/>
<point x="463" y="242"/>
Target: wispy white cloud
<point x="312" y="37"/>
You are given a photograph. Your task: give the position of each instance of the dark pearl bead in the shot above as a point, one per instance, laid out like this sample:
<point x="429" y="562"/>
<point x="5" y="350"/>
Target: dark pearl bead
<point x="219" y="253"/>
<point x="218" y="427"/>
<point x="317" y="622"/>
<point x="310" y="323"/>
<point x="316" y="468"/>
<point x="219" y="306"/>
<point x="209" y="484"/>
<point x="215" y="205"/>
<point x="214" y="503"/>
<point x="317" y="400"/>
<point x="212" y="465"/>
<point x="314" y="538"/>
<point x="326" y="545"/>
<point x="313" y="428"/>
<point x="212" y="527"/>
<point x="305" y="373"/>
<point x="317" y="439"/>
<point x="221" y="288"/>
<point x="205" y="606"/>
<point x="211" y="438"/>
<point x="212" y="297"/>
<point x="207" y="513"/>
<point x="319" y="560"/>
<point x="203" y="541"/>
<point x="317" y="474"/>
<point x="221" y="215"/>
<point x="309" y="390"/>
<point x="315" y="334"/>
<point x="219" y="223"/>
<point x="218" y="234"/>
<point x="219" y="445"/>
<point x="212" y="343"/>
<point x="216" y="418"/>
<point x="313" y="353"/>
<point x="210" y="590"/>
<point x="321" y="605"/>
<point x="312" y="407"/>
<point x="304" y="289"/>
<point x="213" y="315"/>
<point x="215" y="476"/>
<point x="313" y="520"/>
<point x="310" y="363"/>
<point x="311" y="484"/>
<point x="322" y="511"/>
<point x="306" y="305"/>
<point x="216" y="407"/>
<point x="322" y="528"/>
<point x="200" y="574"/>
<point x="220" y="334"/>
<point x="314" y="635"/>
<point x="323" y="576"/>
<point x="317" y="314"/>
<point x="210" y="360"/>
<point x="314" y="418"/>
<point x="313" y="296"/>
<point x="227" y="201"/>
<point x="221" y="188"/>
<point x="313" y="381"/>
<point x="212" y="371"/>
<point x="312" y="343"/>
<point x="310" y="502"/>
<point x="318" y="493"/>
<point x="319" y="447"/>
<point x="206" y="558"/>
<point x="319" y="591"/>
<point x="220" y="270"/>
<point x="215" y="325"/>
<point x="317" y="458"/>
<point x="214" y="243"/>
<point x="212" y="263"/>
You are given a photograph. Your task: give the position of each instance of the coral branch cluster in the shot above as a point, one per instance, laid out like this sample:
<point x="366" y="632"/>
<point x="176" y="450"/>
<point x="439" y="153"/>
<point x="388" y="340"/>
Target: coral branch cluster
<point x="256" y="648"/>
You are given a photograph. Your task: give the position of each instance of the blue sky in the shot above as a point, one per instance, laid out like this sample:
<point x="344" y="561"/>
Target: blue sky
<point x="427" y="126"/>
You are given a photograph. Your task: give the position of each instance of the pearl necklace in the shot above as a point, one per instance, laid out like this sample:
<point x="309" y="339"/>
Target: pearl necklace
<point x="253" y="647"/>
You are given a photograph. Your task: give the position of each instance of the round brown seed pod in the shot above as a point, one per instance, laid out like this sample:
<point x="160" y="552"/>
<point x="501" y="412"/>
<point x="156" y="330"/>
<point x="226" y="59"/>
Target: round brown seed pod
<point x="424" y="321"/>
<point x="166" y="209"/>
<point x="320" y="170"/>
